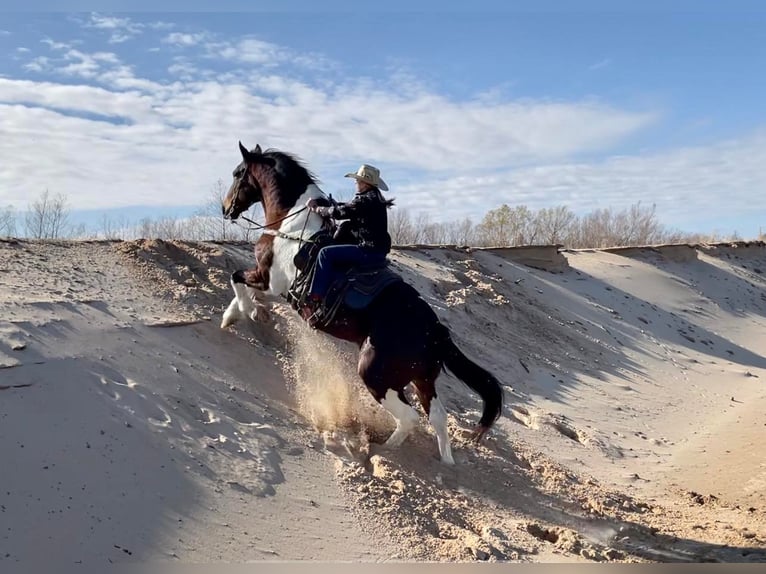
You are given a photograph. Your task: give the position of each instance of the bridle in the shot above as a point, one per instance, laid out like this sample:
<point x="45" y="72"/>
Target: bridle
<point x="267" y="227"/>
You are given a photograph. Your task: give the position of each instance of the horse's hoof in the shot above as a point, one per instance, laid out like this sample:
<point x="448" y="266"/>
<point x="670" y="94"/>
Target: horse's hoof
<point x="478" y="434"/>
<point x="229" y="318"/>
<point x="395" y="441"/>
<point x="260" y="314"/>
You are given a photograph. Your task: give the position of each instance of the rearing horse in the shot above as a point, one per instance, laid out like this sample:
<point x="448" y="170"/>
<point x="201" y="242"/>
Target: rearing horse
<point x="401" y="339"/>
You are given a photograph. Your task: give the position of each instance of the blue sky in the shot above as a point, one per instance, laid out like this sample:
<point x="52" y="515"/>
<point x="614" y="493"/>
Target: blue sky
<point x="589" y="105"/>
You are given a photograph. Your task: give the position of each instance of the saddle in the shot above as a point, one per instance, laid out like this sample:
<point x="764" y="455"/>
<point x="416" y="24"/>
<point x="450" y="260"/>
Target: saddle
<point x="351" y="291"/>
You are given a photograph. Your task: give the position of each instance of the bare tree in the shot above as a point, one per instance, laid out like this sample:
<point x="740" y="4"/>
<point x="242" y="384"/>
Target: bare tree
<point x="115" y="228"/>
<point x="434" y="234"/>
<point x="48" y="217"/>
<point x="8" y="222"/>
<point x="553" y="223"/>
<point x="636" y="225"/>
<point x="35" y="221"/>
<point x="420" y="228"/>
<point x="507" y="226"/>
<point x="642" y="225"/>
<point x="80" y="231"/>
<point x="209" y="218"/>
<point x="167" y="227"/>
<point x="400" y="226"/>
<point x="145" y="228"/>
<point x="503" y="226"/>
<point x="462" y="232"/>
<point x="525" y="230"/>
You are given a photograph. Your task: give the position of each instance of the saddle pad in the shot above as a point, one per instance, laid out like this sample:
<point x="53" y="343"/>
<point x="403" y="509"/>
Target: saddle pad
<point x="365" y="285"/>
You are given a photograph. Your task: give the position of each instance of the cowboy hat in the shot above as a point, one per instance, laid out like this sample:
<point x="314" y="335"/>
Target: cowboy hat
<point x="369" y="174"/>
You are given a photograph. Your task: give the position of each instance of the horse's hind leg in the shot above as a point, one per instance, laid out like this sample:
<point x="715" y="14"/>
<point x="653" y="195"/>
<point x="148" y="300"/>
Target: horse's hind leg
<point x="388" y="393"/>
<point x="437" y="416"/>
<point x="438" y="419"/>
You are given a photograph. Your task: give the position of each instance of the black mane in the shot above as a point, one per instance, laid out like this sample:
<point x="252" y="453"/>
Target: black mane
<point x="292" y="177"/>
<point x="290" y="168"/>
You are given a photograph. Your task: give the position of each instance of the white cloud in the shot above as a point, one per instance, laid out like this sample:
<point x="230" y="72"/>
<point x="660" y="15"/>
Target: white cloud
<point x="160" y="25"/>
<point x="109" y="22"/>
<point x="38" y="64"/>
<point x="689" y="184"/>
<point x="69" y="61"/>
<point x="165" y="142"/>
<point x="119" y="38"/>
<point x="184" y="39"/>
<point x="253" y="51"/>
<point x="190" y="129"/>
<point x="53" y="45"/>
<point x="81" y="99"/>
<point x="87" y="65"/>
<point x="184" y="70"/>
<point x="120" y="29"/>
<point x="248" y="51"/>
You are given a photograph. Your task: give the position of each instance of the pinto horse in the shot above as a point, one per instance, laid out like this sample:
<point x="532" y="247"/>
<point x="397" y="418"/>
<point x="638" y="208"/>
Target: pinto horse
<point x="401" y="339"/>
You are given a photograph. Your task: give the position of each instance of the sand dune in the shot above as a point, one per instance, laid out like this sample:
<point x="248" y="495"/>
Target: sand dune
<point x="133" y="429"/>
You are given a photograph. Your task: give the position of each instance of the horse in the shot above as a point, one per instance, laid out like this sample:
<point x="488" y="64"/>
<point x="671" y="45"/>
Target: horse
<point x="400" y="338"/>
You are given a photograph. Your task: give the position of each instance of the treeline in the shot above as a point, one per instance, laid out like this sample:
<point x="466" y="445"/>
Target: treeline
<point x="520" y="225"/>
<point x="48" y="217"/>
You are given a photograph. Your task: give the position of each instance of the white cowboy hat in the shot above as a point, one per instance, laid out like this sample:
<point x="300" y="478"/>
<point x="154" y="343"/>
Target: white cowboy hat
<point x="369" y="174"/>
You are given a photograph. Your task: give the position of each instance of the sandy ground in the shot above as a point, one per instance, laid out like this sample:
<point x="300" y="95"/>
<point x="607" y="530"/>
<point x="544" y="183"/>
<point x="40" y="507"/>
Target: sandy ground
<point x="133" y="429"/>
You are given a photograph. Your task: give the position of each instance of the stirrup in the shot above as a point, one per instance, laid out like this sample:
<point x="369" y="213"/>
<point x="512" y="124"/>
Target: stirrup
<point x="294" y="297"/>
<point x="317" y="318"/>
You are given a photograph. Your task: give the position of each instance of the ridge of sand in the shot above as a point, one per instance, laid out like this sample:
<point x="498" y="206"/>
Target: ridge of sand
<point x="138" y="430"/>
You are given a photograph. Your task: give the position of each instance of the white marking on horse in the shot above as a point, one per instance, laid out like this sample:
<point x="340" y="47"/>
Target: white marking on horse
<point x="285" y="250"/>
<point x="438" y="420"/>
<point x="282" y="271"/>
<point x="232" y="313"/>
<point x="405" y="416"/>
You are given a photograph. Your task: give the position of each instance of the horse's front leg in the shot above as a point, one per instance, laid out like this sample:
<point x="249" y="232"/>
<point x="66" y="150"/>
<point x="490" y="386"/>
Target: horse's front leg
<point x="232" y="313"/>
<point x="245" y="302"/>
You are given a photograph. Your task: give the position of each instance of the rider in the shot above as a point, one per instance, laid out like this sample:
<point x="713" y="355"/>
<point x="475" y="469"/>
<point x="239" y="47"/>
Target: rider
<point x="367" y="225"/>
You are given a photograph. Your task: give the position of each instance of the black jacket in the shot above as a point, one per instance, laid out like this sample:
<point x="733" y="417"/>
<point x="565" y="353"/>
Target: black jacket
<point x="367" y="219"/>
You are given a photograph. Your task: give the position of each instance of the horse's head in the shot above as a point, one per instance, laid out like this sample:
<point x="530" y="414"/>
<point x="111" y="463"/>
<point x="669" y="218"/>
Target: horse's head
<point x="245" y="189"/>
<point x="274" y="178"/>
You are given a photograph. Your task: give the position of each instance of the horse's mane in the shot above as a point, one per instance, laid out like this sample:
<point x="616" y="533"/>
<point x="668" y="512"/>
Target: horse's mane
<point x="290" y="167"/>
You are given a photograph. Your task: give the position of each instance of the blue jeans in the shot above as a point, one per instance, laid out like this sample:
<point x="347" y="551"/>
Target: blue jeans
<point x="334" y="259"/>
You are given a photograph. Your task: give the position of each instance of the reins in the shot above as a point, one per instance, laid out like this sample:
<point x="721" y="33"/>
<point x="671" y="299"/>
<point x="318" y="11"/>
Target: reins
<point x="277" y="232"/>
<point x="259" y="226"/>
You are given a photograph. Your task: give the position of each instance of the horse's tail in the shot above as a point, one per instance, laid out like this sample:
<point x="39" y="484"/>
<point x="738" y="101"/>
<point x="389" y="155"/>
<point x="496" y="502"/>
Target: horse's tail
<point x="476" y="377"/>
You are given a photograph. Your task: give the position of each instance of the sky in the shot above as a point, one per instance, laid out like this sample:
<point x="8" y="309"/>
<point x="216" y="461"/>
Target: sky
<point x="583" y="104"/>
